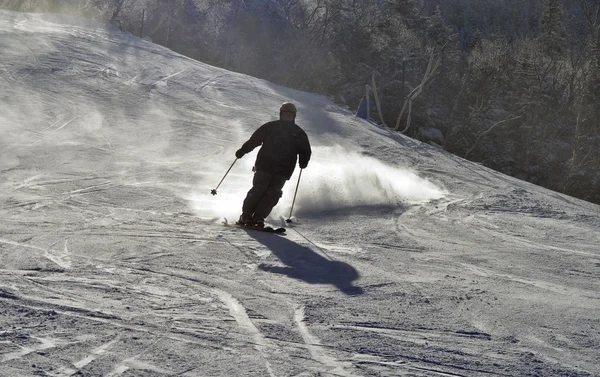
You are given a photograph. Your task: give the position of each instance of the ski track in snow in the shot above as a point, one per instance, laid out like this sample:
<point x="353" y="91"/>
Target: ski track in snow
<point x="45" y="344"/>
<point x="238" y="312"/>
<point x="61" y="258"/>
<point x="94" y="354"/>
<point x="318" y="353"/>
<point x="19" y="244"/>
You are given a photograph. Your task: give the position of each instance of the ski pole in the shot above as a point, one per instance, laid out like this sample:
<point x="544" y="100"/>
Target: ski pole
<point x="214" y="191"/>
<point x="289" y="220"/>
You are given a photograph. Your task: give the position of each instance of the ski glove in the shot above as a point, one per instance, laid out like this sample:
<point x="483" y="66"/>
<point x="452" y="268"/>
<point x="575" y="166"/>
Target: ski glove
<point x="303" y="165"/>
<point x="239" y="153"/>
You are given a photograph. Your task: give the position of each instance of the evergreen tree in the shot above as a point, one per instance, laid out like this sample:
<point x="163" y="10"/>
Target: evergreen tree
<point x="475" y="41"/>
<point x="407" y="10"/>
<point x="553" y="31"/>
<point x="438" y="30"/>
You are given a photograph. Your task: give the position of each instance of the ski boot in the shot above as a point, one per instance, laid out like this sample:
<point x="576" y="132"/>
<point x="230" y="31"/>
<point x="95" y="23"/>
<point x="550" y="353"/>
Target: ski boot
<point x="245" y="219"/>
<point x="257" y="222"/>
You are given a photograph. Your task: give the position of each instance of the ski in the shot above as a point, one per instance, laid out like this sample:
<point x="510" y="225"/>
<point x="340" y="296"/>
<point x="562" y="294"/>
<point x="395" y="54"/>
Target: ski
<point x="266" y="229"/>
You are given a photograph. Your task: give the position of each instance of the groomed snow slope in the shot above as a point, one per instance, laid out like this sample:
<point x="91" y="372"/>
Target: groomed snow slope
<point x="404" y="260"/>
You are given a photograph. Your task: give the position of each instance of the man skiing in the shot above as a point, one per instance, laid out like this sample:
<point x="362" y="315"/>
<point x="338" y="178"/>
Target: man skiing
<point x="283" y="143"/>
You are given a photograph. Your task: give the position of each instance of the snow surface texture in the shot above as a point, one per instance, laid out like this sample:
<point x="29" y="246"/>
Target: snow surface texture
<point x="404" y="259"/>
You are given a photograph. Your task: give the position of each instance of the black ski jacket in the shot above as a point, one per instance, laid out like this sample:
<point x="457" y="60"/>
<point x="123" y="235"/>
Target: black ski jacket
<point x="282" y="143"/>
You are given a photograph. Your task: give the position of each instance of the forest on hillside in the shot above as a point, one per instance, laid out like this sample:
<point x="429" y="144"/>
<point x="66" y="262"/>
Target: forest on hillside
<point x="513" y="84"/>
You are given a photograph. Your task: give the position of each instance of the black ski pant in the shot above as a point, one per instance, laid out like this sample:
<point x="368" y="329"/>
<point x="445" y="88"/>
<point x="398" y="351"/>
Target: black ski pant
<point x="264" y="194"/>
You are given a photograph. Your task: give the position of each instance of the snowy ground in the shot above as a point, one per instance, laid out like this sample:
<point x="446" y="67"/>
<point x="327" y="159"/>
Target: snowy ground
<point x="405" y="260"/>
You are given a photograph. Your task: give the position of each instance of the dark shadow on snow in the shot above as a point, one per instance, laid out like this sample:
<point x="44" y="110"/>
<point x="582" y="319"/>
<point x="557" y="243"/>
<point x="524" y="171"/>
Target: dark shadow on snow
<point x="304" y="264"/>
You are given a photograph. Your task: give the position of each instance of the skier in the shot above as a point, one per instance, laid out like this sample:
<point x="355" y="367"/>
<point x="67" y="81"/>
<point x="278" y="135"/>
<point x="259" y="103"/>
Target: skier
<point x="283" y="141"/>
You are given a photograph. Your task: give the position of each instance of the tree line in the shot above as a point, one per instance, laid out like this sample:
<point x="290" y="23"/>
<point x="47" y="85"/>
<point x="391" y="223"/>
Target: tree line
<point x="513" y="84"/>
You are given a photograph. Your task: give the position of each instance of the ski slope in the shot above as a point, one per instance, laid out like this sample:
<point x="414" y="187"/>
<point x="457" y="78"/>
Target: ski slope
<point x="404" y="260"/>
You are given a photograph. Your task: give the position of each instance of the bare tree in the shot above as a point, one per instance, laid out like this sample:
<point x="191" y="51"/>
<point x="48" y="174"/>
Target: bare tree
<point x="429" y="72"/>
<point x="487" y="132"/>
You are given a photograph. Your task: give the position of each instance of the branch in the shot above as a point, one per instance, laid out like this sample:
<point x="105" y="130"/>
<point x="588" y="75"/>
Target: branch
<point x="592" y="19"/>
<point x="487" y="132"/>
<point x="118" y="7"/>
<point x="410" y="95"/>
<point x="417" y="91"/>
<point x="586" y="11"/>
<point x="378" y="103"/>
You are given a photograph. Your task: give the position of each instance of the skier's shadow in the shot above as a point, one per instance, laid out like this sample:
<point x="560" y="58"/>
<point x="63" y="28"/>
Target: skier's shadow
<point x="303" y="263"/>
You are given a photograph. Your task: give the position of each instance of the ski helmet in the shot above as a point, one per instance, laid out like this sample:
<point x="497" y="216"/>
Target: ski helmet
<point x="288" y="106"/>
